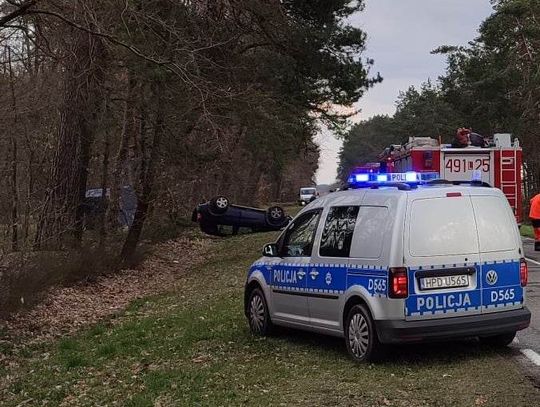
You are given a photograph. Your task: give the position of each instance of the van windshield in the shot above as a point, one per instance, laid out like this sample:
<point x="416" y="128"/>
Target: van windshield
<point x="308" y="191"/>
<point x="442" y="227"/>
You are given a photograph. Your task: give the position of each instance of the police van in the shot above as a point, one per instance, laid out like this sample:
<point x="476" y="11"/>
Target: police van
<point x="395" y="262"/>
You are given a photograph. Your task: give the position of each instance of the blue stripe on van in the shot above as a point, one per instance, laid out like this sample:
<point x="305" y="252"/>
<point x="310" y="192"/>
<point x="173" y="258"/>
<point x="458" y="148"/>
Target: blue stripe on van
<point x="506" y="291"/>
<point x="490" y="293"/>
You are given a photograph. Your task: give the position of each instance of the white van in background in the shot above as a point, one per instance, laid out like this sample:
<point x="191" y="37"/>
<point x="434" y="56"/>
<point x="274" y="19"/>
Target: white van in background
<point x="307" y="195"/>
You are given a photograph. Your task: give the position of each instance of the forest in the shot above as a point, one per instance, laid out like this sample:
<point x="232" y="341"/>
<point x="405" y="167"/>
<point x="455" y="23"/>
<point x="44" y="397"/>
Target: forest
<point x="492" y="86"/>
<point x="168" y="101"/>
<point x="118" y="117"/>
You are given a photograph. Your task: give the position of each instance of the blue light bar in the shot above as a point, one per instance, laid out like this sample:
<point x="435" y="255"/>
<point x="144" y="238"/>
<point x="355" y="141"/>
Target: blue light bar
<point x="362" y="177"/>
<point x="410" y="177"/>
<point x="476" y="176"/>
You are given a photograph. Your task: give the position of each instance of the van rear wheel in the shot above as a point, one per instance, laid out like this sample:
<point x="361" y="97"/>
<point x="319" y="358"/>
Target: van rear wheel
<point x="360" y="335"/>
<point x="498" y="341"/>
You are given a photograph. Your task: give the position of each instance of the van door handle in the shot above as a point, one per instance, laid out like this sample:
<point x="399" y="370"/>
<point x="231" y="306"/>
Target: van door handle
<point x="314" y="273"/>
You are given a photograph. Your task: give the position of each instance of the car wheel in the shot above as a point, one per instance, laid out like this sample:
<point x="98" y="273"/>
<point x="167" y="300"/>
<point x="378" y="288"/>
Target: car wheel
<point x="275" y="215"/>
<point x="360" y="335"/>
<point x="219" y="204"/>
<point x="498" y="341"/>
<point x="257" y="314"/>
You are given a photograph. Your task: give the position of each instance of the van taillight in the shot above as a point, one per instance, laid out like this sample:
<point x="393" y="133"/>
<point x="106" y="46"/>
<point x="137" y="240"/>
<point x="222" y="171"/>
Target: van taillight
<point x="453" y="194"/>
<point x="523" y="272"/>
<point x="399" y="283"/>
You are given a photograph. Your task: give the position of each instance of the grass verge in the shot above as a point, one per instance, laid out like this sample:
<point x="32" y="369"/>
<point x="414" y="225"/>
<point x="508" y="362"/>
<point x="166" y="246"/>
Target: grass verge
<point x="527" y="231"/>
<point x="192" y="347"/>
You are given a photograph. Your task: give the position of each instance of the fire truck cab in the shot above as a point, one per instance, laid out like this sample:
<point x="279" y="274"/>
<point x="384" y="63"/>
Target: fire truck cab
<point x="499" y="164"/>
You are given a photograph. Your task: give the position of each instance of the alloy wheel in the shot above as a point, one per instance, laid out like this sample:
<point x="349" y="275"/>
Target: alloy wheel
<point x="358" y="335"/>
<point x="222" y="203"/>
<point x="276" y="213"/>
<point x="256" y="314"/>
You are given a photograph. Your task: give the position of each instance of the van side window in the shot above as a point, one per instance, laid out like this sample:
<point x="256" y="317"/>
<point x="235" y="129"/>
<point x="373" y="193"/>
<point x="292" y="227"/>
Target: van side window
<point x="371" y="228"/>
<point x="338" y="231"/>
<point x="298" y="240"/>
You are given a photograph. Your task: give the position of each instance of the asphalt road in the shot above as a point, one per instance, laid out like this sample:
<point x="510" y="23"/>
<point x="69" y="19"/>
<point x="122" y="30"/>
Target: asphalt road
<point x="530" y="337"/>
<point x="526" y="346"/>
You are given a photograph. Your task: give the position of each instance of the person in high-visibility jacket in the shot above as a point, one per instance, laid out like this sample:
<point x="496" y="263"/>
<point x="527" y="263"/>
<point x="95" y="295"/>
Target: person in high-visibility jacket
<point x="534" y="216"/>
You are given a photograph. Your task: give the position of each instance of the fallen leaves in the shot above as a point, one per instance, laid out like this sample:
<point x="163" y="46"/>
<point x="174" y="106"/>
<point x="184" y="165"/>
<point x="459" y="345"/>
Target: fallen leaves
<point x="66" y="310"/>
<point x="201" y="359"/>
<point x="480" y="401"/>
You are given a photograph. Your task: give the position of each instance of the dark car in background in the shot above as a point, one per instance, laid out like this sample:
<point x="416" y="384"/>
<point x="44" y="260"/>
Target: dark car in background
<point x="94" y="206"/>
<point x="219" y="217"/>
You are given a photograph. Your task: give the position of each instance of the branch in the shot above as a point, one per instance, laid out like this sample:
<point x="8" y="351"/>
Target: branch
<point x="255" y="45"/>
<point x="108" y="37"/>
<point x="22" y="10"/>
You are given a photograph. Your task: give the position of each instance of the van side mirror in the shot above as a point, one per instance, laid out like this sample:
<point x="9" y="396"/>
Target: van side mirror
<point x="270" y="250"/>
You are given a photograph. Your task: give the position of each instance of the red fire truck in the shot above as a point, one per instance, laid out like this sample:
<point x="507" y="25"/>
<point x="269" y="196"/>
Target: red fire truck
<point x="368" y="168"/>
<point x="499" y="165"/>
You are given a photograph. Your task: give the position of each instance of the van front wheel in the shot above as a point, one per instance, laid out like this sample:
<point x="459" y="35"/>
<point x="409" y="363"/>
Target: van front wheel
<point x="360" y="335"/>
<point x="258" y="314"/>
<point x="498" y="341"/>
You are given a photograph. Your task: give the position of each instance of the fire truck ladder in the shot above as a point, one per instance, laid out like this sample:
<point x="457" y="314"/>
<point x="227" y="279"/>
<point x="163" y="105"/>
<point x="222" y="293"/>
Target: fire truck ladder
<point x="508" y="177"/>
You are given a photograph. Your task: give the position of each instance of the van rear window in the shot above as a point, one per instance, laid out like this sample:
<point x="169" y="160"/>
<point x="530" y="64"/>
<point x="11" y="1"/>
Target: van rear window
<point x="442" y="227"/>
<point x="496" y="223"/>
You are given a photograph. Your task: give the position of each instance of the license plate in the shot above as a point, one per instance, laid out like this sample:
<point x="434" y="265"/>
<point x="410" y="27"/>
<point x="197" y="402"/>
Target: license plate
<point x="460" y="167"/>
<point x="437" y="283"/>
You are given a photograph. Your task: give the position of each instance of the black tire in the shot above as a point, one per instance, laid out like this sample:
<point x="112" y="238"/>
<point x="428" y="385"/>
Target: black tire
<point x="275" y="215"/>
<point x="219" y="204"/>
<point x="361" y="337"/>
<point x="498" y="341"/>
<point x="312" y="199"/>
<point x="257" y="314"/>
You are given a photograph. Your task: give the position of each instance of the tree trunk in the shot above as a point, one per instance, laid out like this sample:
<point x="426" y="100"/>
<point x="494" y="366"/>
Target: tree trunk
<point x="147" y="173"/>
<point x="129" y="130"/>
<point x="15" y="200"/>
<point x="104" y="185"/>
<point x="63" y="211"/>
<point x="29" y="193"/>
<point x="14" y="187"/>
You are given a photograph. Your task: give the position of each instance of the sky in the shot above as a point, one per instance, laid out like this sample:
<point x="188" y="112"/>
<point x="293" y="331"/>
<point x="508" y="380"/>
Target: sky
<point x="401" y="35"/>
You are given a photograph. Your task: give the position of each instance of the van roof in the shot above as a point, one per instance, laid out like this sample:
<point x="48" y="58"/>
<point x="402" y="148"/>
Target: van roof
<point x="353" y="196"/>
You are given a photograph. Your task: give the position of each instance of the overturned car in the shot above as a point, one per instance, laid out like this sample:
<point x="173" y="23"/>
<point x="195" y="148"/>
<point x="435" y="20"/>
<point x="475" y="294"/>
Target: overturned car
<point x="219" y="217"/>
